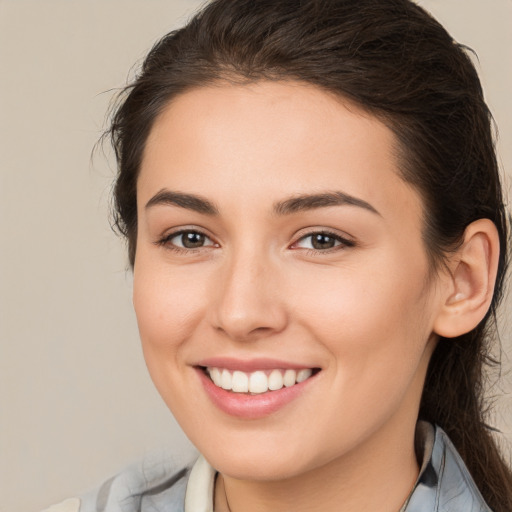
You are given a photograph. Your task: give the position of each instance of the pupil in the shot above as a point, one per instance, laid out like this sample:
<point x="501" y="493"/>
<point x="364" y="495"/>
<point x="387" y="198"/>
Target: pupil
<point x="192" y="240"/>
<point x="323" y="241"/>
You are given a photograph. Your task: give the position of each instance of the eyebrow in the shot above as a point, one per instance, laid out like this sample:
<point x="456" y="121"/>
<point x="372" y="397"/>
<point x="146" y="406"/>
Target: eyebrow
<point x="288" y="206"/>
<point x="323" y="200"/>
<point x="189" y="201"/>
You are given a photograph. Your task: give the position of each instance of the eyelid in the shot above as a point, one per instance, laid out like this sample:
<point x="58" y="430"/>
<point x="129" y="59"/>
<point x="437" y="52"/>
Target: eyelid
<point x="165" y="239"/>
<point x="343" y="239"/>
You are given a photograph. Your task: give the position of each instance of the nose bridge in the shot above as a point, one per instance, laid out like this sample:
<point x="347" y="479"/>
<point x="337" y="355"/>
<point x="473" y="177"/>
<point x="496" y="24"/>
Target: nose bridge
<point x="248" y="301"/>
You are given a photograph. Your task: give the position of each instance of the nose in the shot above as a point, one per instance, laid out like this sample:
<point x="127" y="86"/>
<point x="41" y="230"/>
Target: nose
<point x="249" y="302"/>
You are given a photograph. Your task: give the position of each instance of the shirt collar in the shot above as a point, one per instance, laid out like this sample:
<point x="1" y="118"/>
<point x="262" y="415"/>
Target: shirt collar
<point x="200" y="488"/>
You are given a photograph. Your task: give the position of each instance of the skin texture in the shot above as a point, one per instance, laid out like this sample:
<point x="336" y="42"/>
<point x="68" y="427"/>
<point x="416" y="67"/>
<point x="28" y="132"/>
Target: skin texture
<point x="364" y="312"/>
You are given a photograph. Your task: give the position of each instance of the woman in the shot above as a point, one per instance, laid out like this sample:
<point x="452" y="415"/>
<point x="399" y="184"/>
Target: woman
<point x="311" y="200"/>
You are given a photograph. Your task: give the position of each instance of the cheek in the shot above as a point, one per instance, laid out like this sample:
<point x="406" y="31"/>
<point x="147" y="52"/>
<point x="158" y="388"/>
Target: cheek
<point x="373" y="322"/>
<point x="168" y="306"/>
<point x="165" y="301"/>
<point x="377" y="335"/>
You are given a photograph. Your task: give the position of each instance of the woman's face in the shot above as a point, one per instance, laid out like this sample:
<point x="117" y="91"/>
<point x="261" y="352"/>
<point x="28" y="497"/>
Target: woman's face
<point x="276" y="242"/>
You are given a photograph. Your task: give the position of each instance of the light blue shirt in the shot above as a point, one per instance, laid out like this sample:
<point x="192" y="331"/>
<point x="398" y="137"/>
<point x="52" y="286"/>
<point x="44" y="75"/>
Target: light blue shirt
<point x="444" y="485"/>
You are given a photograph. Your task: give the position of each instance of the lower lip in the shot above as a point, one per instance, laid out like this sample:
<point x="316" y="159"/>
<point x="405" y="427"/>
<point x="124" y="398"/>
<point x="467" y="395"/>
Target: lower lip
<point x="251" y="407"/>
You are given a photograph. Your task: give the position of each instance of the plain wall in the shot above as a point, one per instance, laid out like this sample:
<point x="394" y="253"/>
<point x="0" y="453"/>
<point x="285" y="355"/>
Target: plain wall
<point x="76" y="403"/>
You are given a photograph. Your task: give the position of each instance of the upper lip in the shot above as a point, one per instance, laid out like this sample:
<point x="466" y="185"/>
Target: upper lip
<point x="251" y="365"/>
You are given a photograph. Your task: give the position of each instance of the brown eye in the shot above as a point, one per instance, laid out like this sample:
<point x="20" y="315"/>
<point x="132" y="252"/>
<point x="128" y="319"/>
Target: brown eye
<point x="189" y="240"/>
<point x="192" y="239"/>
<point x="321" y="241"/>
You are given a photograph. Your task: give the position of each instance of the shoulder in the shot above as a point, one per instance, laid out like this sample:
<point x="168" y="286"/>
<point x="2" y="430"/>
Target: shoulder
<point x="444" y="483"/>
<point x="71" y="505"/>
<point x="149" y="485"/>
<point x="457" y="490"/>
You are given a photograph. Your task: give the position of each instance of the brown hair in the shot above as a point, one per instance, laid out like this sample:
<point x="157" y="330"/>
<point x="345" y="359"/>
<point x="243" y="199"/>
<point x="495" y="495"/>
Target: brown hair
<point x="394" y="60"/>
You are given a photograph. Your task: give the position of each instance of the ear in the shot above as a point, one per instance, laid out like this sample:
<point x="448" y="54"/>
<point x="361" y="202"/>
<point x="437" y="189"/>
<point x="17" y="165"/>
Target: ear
<point x="471" y="280"/>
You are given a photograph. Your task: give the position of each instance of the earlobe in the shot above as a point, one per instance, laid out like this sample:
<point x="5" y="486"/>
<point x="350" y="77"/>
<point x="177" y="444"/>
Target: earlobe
<point x="472" y="277"/>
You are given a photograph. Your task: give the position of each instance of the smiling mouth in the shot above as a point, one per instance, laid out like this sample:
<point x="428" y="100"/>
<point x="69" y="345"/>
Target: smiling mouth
<point x="258" y="382"/>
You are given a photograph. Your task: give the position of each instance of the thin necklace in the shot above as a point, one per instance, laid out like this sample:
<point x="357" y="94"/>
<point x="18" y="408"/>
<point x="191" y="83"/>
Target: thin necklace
<point x="227" y="501"/>
<point x="222" y="488"/>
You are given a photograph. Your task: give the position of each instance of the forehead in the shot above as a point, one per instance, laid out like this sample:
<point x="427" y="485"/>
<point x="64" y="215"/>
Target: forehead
<point x="269" y="139"/>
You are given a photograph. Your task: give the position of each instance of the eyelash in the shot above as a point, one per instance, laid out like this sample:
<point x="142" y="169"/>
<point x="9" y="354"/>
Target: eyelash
<point x="342" y="242"/>
<point x="165" y="241"/>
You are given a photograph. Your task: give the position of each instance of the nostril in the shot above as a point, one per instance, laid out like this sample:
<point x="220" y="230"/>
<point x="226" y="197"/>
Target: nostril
<point x="242" y="331"/>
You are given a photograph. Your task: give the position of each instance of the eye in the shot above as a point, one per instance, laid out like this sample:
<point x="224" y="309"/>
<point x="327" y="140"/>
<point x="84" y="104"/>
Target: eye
<point x="187" y="239"/>
<point x="322" y="241"/>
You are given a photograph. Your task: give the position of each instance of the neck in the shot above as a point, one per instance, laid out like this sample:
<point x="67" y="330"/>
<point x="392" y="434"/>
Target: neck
<point x="378" y="478"/>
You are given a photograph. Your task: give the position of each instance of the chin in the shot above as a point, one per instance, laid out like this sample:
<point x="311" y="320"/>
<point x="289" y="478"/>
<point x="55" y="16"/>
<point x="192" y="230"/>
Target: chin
<point x="256" y="469"/>
<point x="259" y="461"/>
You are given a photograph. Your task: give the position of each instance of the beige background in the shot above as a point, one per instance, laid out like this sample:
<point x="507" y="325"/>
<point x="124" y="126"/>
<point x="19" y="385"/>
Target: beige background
<point x="76" y="404"/>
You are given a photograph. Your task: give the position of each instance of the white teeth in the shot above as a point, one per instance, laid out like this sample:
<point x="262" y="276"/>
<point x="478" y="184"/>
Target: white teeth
<point x="303" y="375"/>
<point x="259" y="381"/>
<point x="275" y="380"/>
<point x="240" y="382"/>
<point x="215" y="375"/>
<point x="226" y="381"/>
<point x="290" y="376"/>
